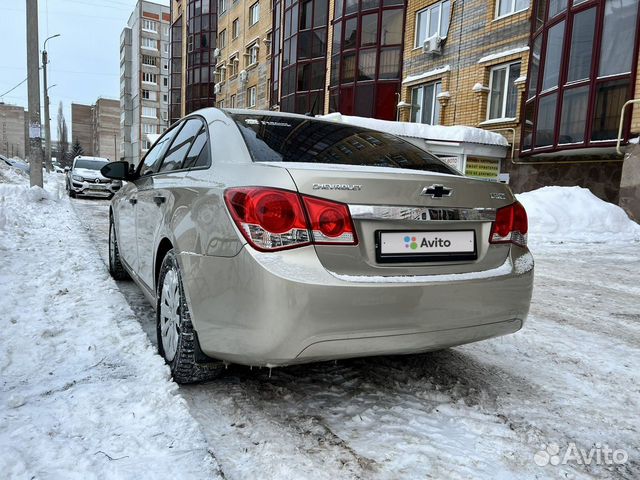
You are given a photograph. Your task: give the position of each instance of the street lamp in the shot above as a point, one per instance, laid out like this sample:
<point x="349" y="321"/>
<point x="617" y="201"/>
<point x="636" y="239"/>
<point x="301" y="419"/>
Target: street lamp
<point x="47" y="124"/>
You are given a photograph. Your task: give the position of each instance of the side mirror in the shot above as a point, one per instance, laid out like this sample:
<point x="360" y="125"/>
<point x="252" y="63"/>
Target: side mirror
<point x="118" y="171"/>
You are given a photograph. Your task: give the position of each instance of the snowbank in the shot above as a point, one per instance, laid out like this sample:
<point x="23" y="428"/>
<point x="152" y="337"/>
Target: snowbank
<point x="421" y="130"/>
<point x="574" y="214"/>
<point x="83" y="393"/>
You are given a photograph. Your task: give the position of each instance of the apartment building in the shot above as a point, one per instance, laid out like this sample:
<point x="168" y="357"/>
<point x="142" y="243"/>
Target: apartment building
<point x="550" y="75"/>
<point x="12" y="131"/>
<point x="106" y="128"/>
<point x="82" y="127"/>
<point x="144" y="79"/>
<point x="97" y="128"/>
<point x="243" y="68"/>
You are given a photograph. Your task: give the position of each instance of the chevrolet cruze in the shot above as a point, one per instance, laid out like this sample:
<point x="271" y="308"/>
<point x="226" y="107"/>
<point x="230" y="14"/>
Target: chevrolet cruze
<point x="269" y="239"/>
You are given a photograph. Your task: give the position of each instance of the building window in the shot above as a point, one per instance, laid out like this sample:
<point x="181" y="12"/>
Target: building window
<point x="232" y="101"/>
<point x="165" y="47"/>
<point x="233" y="66"/>
<point x="235" y="29"/>
<point x="165" y="81"/>
<point x="251" y="54"/>
<point x="221" y="73"/>
<point x="149" y="60"/>
<point x="149" y="77"/>
<point x="503" y="95"/>
<point x="149" y="43"/>
<point x="432" y="21"/>
<point x="254" y="13"/>
<point x="149" y="128"/>
<point x="150" y="112"/>
<point x="165" y="98"/>
<point x="580" y="75"/>
<point x="221" y="104"/>
<point x="222" y="6"/>
<point x="508" y="7"/>
<point x="149" y="25"/>
<point x="165" y="31"/>
<point x="425" y="107"/>
<point x="149" y="95"/>
<point x="251" y="97"/>
<point x="222" y="39"/>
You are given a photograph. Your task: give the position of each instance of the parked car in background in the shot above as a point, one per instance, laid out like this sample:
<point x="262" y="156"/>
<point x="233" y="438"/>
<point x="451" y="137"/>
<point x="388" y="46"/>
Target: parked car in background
<point x="16" y="164"/>
<point x="271" y="239"/>
<point x="84" y="178"/>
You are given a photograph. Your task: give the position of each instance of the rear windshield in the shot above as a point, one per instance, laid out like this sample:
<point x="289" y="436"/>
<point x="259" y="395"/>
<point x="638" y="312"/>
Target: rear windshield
<point x="90" y="164"/>
<point x="291" y="139"/>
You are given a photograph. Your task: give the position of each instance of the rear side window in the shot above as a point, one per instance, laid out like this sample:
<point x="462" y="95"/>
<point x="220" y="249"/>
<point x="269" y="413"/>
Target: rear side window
<point x="180" y="146"/>
<point x="154" y="156"/>
<point x="199" y="155"/>
<point x="291" y="139"/>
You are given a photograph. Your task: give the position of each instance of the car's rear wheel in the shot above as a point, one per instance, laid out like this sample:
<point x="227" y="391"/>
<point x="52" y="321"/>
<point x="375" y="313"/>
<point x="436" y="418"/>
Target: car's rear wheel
<point x="177" y="340"/>
<point x="116" y="269"/>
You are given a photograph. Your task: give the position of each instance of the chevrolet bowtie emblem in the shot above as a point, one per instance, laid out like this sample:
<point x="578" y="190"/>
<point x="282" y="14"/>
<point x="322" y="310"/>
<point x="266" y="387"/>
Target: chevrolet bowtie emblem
<point x="436" y="191"/>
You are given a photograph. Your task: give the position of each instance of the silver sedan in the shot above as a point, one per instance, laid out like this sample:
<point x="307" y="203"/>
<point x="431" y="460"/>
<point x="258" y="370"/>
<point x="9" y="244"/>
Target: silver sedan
<point x="269" y="239"/>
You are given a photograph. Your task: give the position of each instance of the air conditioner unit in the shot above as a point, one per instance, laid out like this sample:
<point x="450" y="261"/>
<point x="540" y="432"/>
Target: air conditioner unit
<point x="216" y="53"/>
<point x="433" y="45"/>
<point x="243" y="76"/>
<point x="217" y="88"/>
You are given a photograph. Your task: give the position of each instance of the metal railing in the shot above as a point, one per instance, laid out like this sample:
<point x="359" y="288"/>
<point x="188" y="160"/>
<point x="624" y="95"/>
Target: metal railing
<point x="624" y="107"/>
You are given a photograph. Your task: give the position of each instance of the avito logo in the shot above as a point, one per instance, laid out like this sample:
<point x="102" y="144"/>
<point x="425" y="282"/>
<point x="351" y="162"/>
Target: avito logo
<point x="412" y="242"/>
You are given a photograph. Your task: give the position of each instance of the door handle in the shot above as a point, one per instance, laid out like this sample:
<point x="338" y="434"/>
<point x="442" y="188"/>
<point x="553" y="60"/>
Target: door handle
<point x="133" y="201"/>
<point x="159" y="200"/>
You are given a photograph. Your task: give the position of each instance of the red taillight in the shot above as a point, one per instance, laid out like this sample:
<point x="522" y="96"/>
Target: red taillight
<point x="273" y="219"/>
<point x="510" y="226"/>
<point x="330" y="221"/>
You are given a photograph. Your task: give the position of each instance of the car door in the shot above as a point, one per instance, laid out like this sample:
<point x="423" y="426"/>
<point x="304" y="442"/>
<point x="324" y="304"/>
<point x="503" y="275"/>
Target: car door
<point x="130" y="203"/>
<point x="156" y="196"/>
<point x="124" y="208"/>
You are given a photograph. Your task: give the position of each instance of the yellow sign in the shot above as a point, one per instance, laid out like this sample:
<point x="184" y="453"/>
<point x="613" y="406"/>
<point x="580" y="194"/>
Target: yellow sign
<point x="482" y="168"/>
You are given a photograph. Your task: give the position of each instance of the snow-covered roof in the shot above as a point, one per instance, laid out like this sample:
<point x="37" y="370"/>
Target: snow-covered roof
<point x="506" y="53"/>
<point x="458" y="133"/>
<point x="428" y="74"/>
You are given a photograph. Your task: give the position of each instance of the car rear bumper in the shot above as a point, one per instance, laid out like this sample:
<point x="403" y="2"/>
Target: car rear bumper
<point x="285" y="308"/>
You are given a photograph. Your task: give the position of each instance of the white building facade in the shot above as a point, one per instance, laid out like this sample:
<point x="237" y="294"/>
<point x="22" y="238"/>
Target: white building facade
<point x="144" y="79"/>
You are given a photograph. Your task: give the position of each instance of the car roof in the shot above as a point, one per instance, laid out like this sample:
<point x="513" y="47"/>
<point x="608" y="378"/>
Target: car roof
<point x="86" y="157"/>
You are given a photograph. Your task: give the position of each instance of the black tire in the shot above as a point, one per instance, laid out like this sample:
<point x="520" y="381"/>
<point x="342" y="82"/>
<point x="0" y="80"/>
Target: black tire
<point x="116" y="269"/>
<point x="185" y="365"/>
<point x="72" y="194"/>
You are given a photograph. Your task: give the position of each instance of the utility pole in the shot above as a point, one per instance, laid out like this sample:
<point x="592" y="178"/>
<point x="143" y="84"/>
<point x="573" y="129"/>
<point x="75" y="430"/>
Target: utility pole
<point x="47" y="120"/>
<point x="35" y="135"/>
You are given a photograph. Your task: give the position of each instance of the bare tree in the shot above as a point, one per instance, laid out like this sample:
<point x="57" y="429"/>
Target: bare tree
<point x="63" y="138"/>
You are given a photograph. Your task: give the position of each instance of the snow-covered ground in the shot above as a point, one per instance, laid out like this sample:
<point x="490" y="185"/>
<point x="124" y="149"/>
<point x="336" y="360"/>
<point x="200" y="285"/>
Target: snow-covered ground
<point x="83" y="393"/>
<point x="487" y="410"/>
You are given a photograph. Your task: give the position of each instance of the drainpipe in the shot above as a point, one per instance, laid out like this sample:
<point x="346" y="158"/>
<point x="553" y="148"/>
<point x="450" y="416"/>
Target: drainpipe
<point x="624" y="107"/>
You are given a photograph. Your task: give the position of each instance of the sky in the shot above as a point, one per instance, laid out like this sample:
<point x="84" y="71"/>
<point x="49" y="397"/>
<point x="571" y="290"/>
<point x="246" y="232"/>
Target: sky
<point x="84" y="60"/>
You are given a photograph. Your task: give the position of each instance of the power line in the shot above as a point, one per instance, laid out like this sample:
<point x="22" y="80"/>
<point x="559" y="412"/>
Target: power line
<point x="9" y="91"/>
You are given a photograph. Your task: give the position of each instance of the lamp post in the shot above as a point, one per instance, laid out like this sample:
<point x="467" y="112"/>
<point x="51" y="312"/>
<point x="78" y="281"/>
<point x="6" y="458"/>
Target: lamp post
<point x="47" y="123"/>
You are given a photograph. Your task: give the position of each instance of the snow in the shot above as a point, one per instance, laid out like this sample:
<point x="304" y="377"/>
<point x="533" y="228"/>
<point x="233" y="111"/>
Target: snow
<point x="84" y="394"/>
<point x="506" y="53"/>
<point x="427" y="74"/>
<point x="421" y="130"/>
<point x="575" y="215"/>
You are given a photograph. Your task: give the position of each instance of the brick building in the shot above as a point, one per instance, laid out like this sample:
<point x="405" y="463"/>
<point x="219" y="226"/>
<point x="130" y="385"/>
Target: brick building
<point x="97" y="128"/>
<point x="82" y="126"/>
<point x="12" y="131"/>
<point x="469" y="63"/>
